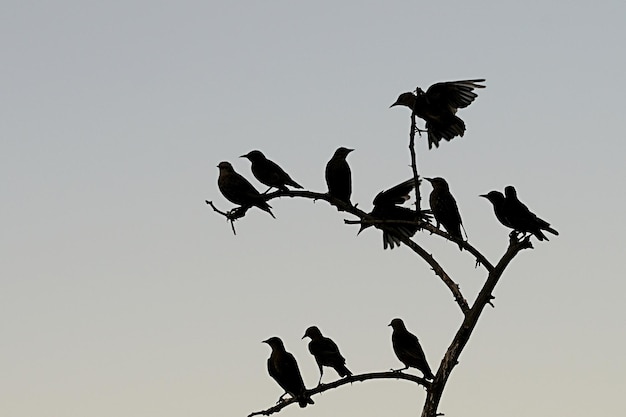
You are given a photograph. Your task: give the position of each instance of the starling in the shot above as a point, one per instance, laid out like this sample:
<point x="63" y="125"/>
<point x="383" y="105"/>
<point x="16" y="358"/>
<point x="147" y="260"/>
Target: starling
<point x="238" y="190"/>
<point x="338" y="176"/>
<point x="444" y="208"/>
<point x="326" y="353"/>
<point x="499" y="207"/>
<point x="282" y="366"/>
<point x="407" y="348"/>
<point x="387" y="207"/>
<point x="522" y="219"/>
<point x="268" y="172"/>
<point x="438" y="105"/>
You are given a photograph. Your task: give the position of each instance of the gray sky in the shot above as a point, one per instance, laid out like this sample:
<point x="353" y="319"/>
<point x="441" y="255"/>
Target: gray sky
<point x="122" y="294"/>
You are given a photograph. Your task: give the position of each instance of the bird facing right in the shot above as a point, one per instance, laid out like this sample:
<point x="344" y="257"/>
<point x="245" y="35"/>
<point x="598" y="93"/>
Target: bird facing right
<point x="326" y="353"/>
<point x="268" y="172"/>
<point x="339" y="176"/>
<point x="408" y="349"/>
<point x="282" y="366"/>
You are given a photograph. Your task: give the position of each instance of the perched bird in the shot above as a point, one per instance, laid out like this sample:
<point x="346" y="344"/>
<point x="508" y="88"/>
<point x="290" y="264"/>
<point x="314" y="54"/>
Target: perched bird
<point x="514" y="214"/>
<point x="268" y="172"/>
<point x="444" y="208"/>
<point x="522" y="219"/>
<point x="387" y="207"/>
<point x="238" y="190"/>
<point x="497" y="199"/>
<point x="282" y="366"/>
<point x="339" y="176"/>
<point x="326" y="353"/>
<point x="407" y="348"/>
<point x="438" y="105"/>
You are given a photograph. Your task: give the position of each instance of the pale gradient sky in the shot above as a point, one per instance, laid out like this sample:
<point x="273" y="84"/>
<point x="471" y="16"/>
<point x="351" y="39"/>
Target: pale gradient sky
<point x="122" y="294"/>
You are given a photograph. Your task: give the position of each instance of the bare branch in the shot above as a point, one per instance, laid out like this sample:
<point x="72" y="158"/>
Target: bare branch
<point x="451" y="357"/>
<point x="343" y="381"/>
<point x="418" y="198"/>
<point x="439" y="271"/>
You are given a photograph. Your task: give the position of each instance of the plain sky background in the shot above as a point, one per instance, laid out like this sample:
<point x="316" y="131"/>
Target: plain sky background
<point x="123" y="294"/>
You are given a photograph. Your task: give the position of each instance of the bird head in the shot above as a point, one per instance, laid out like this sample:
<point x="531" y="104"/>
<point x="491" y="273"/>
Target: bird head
<point x="405" y="99"/>
<point x="342" y="152"/>
<point x="510" y="192"/>
<point x="254" y="155"/>
<point x="438" y="183"/>
<point x="275" y="343"/>
<point x="496" y="197"/>
<point x="313" y="332"/>
<point x="397" y="324"/>
<point x="225" y="166"/>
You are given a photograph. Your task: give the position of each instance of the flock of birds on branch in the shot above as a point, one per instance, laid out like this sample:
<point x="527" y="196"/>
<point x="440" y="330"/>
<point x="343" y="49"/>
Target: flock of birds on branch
<point x="437" y="107"/>
<point x="282" y="365"/>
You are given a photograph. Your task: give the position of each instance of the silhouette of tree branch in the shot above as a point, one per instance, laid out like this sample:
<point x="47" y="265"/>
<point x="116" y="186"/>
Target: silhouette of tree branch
<point x="343" y="381"/>
<point x="418" y="197"/>
<point x="451" y="357"/>
<point x="438" y="269"/>
<point x="471" y="314"/>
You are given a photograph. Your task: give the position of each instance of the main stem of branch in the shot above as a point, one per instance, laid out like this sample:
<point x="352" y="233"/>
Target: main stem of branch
<point x="418" y="198"/>
<point x="451" y="358"/>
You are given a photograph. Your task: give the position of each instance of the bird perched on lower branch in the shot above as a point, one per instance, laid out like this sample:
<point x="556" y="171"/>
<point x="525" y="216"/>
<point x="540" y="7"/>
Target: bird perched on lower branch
<point x="238" y="190"/>
<point x="268" y="172"/>
<point x="408" y="349"/>
<point x="282" y="366"/>
<point x="438" y="106"/>
<point x="326" y="353"/>
<point x="339" y="176"/>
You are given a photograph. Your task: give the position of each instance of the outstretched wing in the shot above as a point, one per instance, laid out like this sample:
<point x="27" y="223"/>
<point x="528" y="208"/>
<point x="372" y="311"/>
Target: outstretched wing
<point x="395" y="195"/>
<point x="453" y="94"/>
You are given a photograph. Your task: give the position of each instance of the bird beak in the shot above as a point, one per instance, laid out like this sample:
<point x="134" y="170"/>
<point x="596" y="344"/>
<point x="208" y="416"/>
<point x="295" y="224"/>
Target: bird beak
<point x="303" y="337"/>
<point x="482" y="195"/>
<point x="430" y="180"/>
<point x="265" y="341"/>
<point x="394" y="104"/>
<point x="243" y="156"/>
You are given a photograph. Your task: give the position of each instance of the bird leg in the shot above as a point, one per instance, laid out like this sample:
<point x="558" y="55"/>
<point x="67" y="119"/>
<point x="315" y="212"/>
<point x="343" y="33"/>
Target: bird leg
<point x="321" y="374"/>
<point x="280" y="399"/>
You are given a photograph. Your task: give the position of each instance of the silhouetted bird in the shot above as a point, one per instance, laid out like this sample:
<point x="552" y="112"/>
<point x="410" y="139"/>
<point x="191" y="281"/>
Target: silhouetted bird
<point x="438" y="105"/>
<point x="387" y="207"/>
<point x="444" y="208"/>
<point x="339" y="176"/>
<point x="238" y="190"/>
<point x="268" y="172"/>
<point x="407" y="348"/>
<point x="282" y="366"/>
<point x="499" y="207"/>
<point x="326" y="353"/>
<point x="522" y="219"/>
